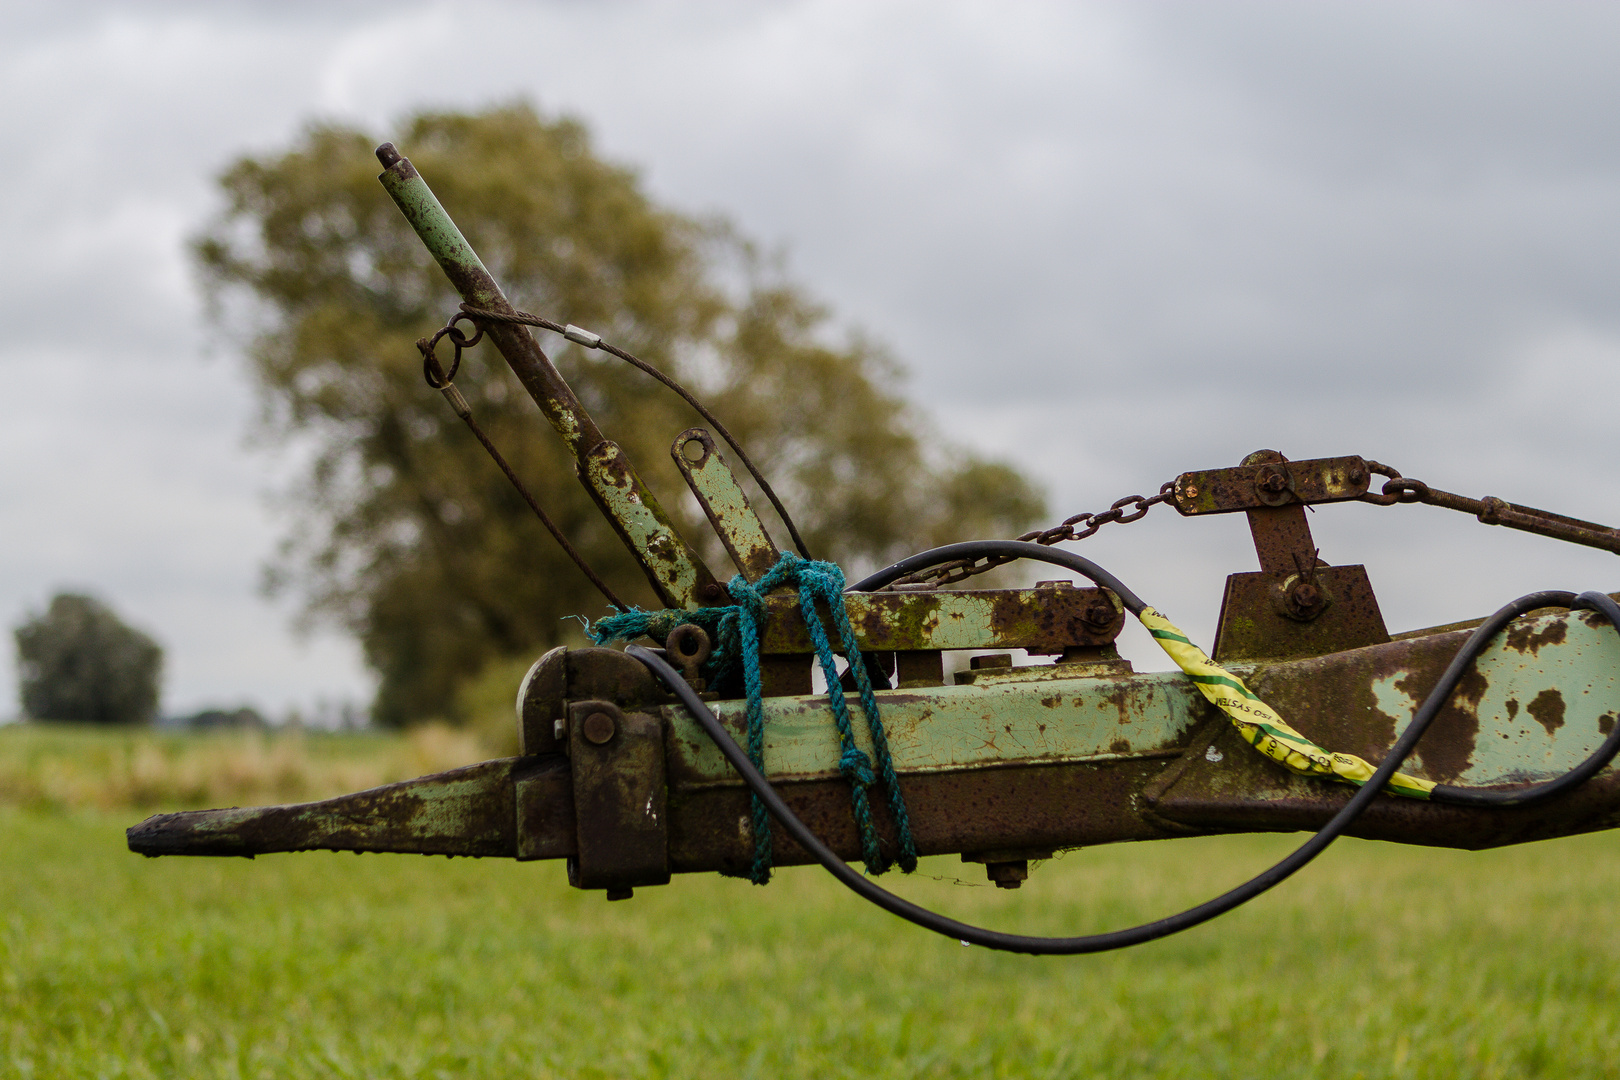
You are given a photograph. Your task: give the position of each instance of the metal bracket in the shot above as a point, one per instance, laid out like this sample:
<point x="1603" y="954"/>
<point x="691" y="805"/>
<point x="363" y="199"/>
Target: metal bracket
<point x="1266" y="478"/>
<point x="620" y="798"/>
<point x="725" y="503"/>
<point x="1297" y="605"/>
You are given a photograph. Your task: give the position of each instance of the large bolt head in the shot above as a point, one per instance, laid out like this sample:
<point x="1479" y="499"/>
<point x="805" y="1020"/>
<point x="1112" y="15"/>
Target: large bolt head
<point x="598" y="728"/>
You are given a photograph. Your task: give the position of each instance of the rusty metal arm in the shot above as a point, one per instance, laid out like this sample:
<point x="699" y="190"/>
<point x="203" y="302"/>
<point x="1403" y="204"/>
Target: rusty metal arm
<point x="1005" y="765"/>
<point x="674" y="569"/>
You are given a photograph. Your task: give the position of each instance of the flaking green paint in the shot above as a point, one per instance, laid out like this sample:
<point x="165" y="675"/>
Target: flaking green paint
<point x="728" y="509"/>
<point x="1511" y="745"/>
<point x="959" y="727"/>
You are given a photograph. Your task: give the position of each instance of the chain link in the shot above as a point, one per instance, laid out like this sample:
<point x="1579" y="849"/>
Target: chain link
<point x="1492" y="511"/>
<point x="1123" y="511"/>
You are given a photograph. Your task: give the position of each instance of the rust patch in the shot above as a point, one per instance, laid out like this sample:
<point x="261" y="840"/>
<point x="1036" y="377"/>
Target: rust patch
<point x="1120" y="746"/>
<point x="1548" y="709"/>
<point x="1512" y="707"/>
<point x="1525" y="638"/>
<point x="1447" y="749"/>
<point x="1606" y="724"/>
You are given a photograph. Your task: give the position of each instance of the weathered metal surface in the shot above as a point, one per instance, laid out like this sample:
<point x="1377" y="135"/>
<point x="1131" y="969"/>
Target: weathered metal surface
<point x="476" y="286"/>
<point x="1043" y="807"/>
<point x="1041" y="620"/>
<point x="543" y="793"/>
<point x="1270" y="483"/>
<point x="725" y="503"/>
<point x="540" y="701"/>
<point x="1568" y="668"/>
<point x="1257" y="620"/>
<point x="1035" y="716"/>
<point x="620" y="797"/>
<point x="672" y="567"/>
<point x="675" y="570"/>
<point x="1494" y="511"/>
<point x="461" y="812"/>
<point x="1023" y="758"/>
<point x="920" y="667"/>
<point x="1296" y="605"/>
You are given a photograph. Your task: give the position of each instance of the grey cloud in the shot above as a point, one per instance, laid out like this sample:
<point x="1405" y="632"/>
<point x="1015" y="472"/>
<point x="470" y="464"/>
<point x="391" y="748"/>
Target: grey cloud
<point x="1110" y="241"/>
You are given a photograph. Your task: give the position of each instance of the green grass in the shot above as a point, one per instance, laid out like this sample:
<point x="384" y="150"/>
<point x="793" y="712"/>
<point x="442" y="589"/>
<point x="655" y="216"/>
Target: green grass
<point x="1378" y="961"/>
<point x="66" y="767"/>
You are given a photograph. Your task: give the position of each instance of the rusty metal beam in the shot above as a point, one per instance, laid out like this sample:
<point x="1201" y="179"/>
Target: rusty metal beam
<point x="1032" y="759"/>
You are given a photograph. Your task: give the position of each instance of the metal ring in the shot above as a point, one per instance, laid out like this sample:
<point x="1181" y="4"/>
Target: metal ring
<point x="458" y="336"/>
<point x="435" y="375"/>
<point x="1407" y="490"/>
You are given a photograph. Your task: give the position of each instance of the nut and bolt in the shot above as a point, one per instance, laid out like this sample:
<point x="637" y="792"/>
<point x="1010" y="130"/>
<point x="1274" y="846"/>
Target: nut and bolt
<point x="1272" y="480"/>
<point x="1101" y="615"/>
<point x="598" y="728"/>
<point x="711" y="592"/>
<point x="1008" y="875"/>
<point x="1305" y="600"/>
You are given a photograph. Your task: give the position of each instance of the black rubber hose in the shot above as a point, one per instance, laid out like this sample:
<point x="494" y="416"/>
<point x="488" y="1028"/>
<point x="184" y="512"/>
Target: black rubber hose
<point x="1444" y="793"/>
<point x="1136" y="935"/>
<point x="1018" y="549"/>
<point x="1524" y="796"/>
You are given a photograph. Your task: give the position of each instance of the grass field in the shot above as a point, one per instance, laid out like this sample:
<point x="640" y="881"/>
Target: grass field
<point x="1377" y="961"/>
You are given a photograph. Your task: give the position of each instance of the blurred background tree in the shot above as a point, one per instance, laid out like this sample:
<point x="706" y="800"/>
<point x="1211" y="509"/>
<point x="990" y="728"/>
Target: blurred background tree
<point x="79" y="661"/>
<point x="404" y="531"/>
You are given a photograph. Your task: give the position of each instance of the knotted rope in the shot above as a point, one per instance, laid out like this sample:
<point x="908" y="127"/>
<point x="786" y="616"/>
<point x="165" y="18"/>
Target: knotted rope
<point x="735" y="631"/>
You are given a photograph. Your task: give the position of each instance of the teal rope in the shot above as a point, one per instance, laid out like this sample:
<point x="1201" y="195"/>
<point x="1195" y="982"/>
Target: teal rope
<point x="735" y="631"/>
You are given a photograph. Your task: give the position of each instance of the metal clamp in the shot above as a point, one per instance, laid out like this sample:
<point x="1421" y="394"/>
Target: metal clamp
<point x="620" y="798"/>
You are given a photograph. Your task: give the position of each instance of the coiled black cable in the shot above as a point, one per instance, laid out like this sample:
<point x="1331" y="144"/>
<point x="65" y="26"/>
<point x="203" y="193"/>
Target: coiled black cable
<point x="1091" y="943"/>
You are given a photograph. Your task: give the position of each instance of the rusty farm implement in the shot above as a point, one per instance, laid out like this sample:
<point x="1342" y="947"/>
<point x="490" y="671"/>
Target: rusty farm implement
<point x="710" y="750"/>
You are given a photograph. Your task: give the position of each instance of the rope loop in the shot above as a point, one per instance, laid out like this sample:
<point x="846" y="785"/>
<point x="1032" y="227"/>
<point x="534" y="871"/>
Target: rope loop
<point x="736" y="631"/>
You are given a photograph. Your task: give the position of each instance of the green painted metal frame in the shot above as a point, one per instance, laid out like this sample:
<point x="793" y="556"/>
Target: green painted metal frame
<point x="1033" y="758"/>
<point x="1028" y="758"/>
<point x="724" y="503"/>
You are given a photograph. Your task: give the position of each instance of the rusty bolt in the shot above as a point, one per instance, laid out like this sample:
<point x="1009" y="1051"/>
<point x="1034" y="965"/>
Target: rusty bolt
<point x="1008" y="875"/>
<point x="1305" y="600"/>
<point x="711" y="592"/>
<point x="1192" y="491"/>
<point x="1100" y="614"/>
<point x="598" y="728"/>
<point x="1272" y="480"/>
<point x="1357" y="474"/>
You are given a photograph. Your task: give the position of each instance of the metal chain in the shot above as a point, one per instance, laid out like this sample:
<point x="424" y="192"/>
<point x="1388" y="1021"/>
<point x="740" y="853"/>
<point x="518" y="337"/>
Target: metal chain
<point x="1123" y="511"/>
<point x="1493" y="511"/>
<point x="1397" y="488"/>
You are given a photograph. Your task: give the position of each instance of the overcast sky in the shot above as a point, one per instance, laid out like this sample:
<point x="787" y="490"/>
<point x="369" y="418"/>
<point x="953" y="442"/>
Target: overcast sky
<point x="1110" y="242"/>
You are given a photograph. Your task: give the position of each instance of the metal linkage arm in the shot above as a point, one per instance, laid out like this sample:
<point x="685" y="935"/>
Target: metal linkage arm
<point x="676" y="572"/>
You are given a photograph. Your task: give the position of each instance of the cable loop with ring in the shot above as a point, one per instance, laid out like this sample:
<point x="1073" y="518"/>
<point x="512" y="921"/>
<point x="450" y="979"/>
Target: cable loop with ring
<point x="432" y="371"/>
